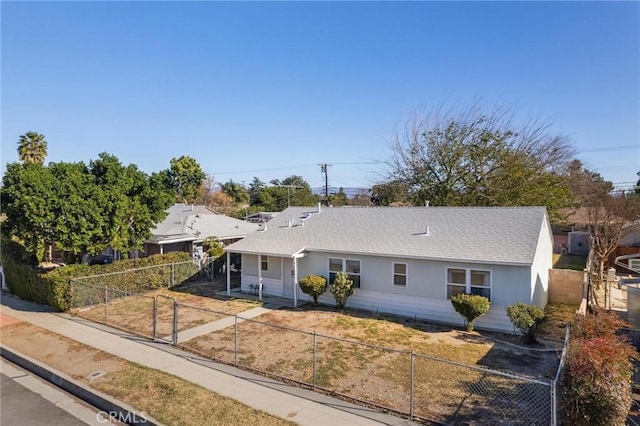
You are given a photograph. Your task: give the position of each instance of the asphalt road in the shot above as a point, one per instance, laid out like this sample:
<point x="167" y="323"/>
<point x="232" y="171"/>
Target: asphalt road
<point x="28" y="400"/>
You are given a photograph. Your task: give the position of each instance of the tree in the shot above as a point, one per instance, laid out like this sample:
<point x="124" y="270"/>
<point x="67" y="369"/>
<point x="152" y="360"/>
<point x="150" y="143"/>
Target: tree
<point x="526" y="319"/>
<point x="606" y="218"/>
<point x="27" y="198"/>
<point x="237" y="192"/>
<point x="82" y="209"/>
<point x="291" y="191"/>
<point x="132" y="203"/>
<point x="470" y="307"/>
<point x="587" y="186"/>
<point x="314" y="286"/>
<point x="32" y="148"/>
<point x="390" y="193"/>
<point x="255" y="191"/>
<point x="213" y="247"/>
<point x="339" y="198"/>
<point x="185" y="177"/>
<point x="480" y="157"/>
<point x="341" y="289"/>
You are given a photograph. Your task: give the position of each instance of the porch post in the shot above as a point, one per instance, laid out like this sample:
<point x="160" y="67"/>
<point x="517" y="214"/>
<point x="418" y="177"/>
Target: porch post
<point x="228" y="274"/>
<point x="260" y="277"/>
<point x="295" y="282"/>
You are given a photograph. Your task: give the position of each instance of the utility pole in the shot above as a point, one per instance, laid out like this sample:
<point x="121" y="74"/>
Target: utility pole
<point x="323" y="169"/>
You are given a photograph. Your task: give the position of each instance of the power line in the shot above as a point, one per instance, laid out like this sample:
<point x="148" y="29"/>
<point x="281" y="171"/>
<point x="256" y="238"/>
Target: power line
<point x="610" y="148"/>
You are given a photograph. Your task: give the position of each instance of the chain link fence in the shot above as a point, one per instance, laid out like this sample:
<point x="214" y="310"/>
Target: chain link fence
<point x="407" y="383"/>
<point x="144" y="279"/>
<point x="131" y="312"/>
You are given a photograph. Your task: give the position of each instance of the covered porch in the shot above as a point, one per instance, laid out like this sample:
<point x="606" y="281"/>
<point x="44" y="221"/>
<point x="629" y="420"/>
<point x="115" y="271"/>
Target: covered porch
<point x="271" y="270"/>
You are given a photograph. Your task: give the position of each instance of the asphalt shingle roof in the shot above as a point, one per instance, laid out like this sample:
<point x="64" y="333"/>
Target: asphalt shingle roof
<point x="185" y="223"/>
<point x="478" y="234"/>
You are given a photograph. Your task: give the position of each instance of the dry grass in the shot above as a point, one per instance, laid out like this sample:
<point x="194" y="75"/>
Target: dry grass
<point x="168" y="399"/>
<point x="174" y="401"/>
<point x="557" y="316"/>
<point x="135" y="313"/>
<point x="353" y="357"/>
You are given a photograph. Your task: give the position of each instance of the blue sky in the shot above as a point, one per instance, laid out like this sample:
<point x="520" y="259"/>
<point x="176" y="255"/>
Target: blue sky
<point x="271" y="89"/>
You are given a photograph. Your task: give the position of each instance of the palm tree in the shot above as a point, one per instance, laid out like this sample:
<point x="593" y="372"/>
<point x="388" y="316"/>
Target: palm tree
<point x="32" y="148"/>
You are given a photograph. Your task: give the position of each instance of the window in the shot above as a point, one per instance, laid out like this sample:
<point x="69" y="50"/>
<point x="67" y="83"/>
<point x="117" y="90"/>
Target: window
<point x="468" y="281"/>
<point x="400" y="274"/>
<point x="264" y="264"/>
<point x="350" y="266"/>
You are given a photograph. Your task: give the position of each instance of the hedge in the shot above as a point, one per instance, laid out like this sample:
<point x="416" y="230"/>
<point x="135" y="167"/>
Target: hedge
<point x="597" y="383"/>
<point x="52" y="287"/>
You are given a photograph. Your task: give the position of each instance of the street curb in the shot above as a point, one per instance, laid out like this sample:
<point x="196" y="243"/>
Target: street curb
<point x="110" y="408"/>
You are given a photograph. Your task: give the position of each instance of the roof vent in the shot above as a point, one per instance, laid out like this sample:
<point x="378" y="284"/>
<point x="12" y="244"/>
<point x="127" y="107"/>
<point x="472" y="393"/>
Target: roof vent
<point x="427" y="231"/>
<point x="262" y="227"/>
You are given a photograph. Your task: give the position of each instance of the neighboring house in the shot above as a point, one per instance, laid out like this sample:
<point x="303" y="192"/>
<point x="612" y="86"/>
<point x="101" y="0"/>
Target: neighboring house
<point x="631" y="234"/>
<point x="187" y="226"/>
<point x="261" y="217"/>
<point x="406" y="260"/>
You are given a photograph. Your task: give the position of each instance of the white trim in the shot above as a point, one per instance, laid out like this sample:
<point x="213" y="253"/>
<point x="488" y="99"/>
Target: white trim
<point x="467" y="277"/>
<point x="344" y="269"/>
<point x="406" y="274"/>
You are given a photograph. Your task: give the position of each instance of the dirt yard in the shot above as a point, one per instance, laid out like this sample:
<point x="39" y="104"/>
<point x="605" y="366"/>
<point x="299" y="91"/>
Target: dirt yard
<point x="368" y="358"/>
<point x="135" y="313"/>
<point x="164" y="397"/>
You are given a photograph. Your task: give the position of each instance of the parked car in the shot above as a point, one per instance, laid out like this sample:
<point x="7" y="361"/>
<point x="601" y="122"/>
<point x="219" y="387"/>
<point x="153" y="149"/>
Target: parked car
<point x="101" y="259"/>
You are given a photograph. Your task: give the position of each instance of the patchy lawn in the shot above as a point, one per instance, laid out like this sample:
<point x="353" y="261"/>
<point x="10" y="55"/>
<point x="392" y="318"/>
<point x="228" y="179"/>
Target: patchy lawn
<point x="135" y="313"/>
<point x="569" y="261"/>
<point x="368" y="358"/>
<point x="557" y="316"/>
<point x="168" y="399"/>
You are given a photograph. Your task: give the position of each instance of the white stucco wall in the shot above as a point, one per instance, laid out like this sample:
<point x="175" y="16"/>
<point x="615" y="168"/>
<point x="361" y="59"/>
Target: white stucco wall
<point x="542" y="263"/>
<point x="423" y="297"/>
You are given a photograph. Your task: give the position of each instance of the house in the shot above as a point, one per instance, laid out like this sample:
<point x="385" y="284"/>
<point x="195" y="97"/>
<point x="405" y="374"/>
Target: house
<point x="261" y="217"/>
<point x="187" y="226"/>
<point x="406" y="260"/>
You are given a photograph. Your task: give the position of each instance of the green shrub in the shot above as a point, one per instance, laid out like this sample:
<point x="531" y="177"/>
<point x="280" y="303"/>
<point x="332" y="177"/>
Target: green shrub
<point x="596" y="389"/>
<point x="314" y="286"/>
<point x="470" y="306"/>
<point x="52" y="287"/>
<point x="341" y="289"/>
<point x="526" y="319"/>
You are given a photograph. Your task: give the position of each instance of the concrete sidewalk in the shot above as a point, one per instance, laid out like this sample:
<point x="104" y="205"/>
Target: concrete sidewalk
<point x="228" y="321"/>
<point x="302" y="406"/>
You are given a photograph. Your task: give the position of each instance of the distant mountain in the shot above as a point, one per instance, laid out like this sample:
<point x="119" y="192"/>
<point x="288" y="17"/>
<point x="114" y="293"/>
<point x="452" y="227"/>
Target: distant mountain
<point x="350" y="191"/>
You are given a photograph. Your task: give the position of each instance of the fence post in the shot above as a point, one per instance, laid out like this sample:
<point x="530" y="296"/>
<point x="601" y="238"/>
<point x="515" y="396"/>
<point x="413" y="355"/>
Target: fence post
<point x="173" y="274"/>
<point x="411" y="387"/>
<point x="155" y="317"/>
<point x="235" y="342"/>
<point x="106" y="302"/>
<point x="175" y="323"/>
<point x="314" y="359"/>
<point x="554" y="410"/>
